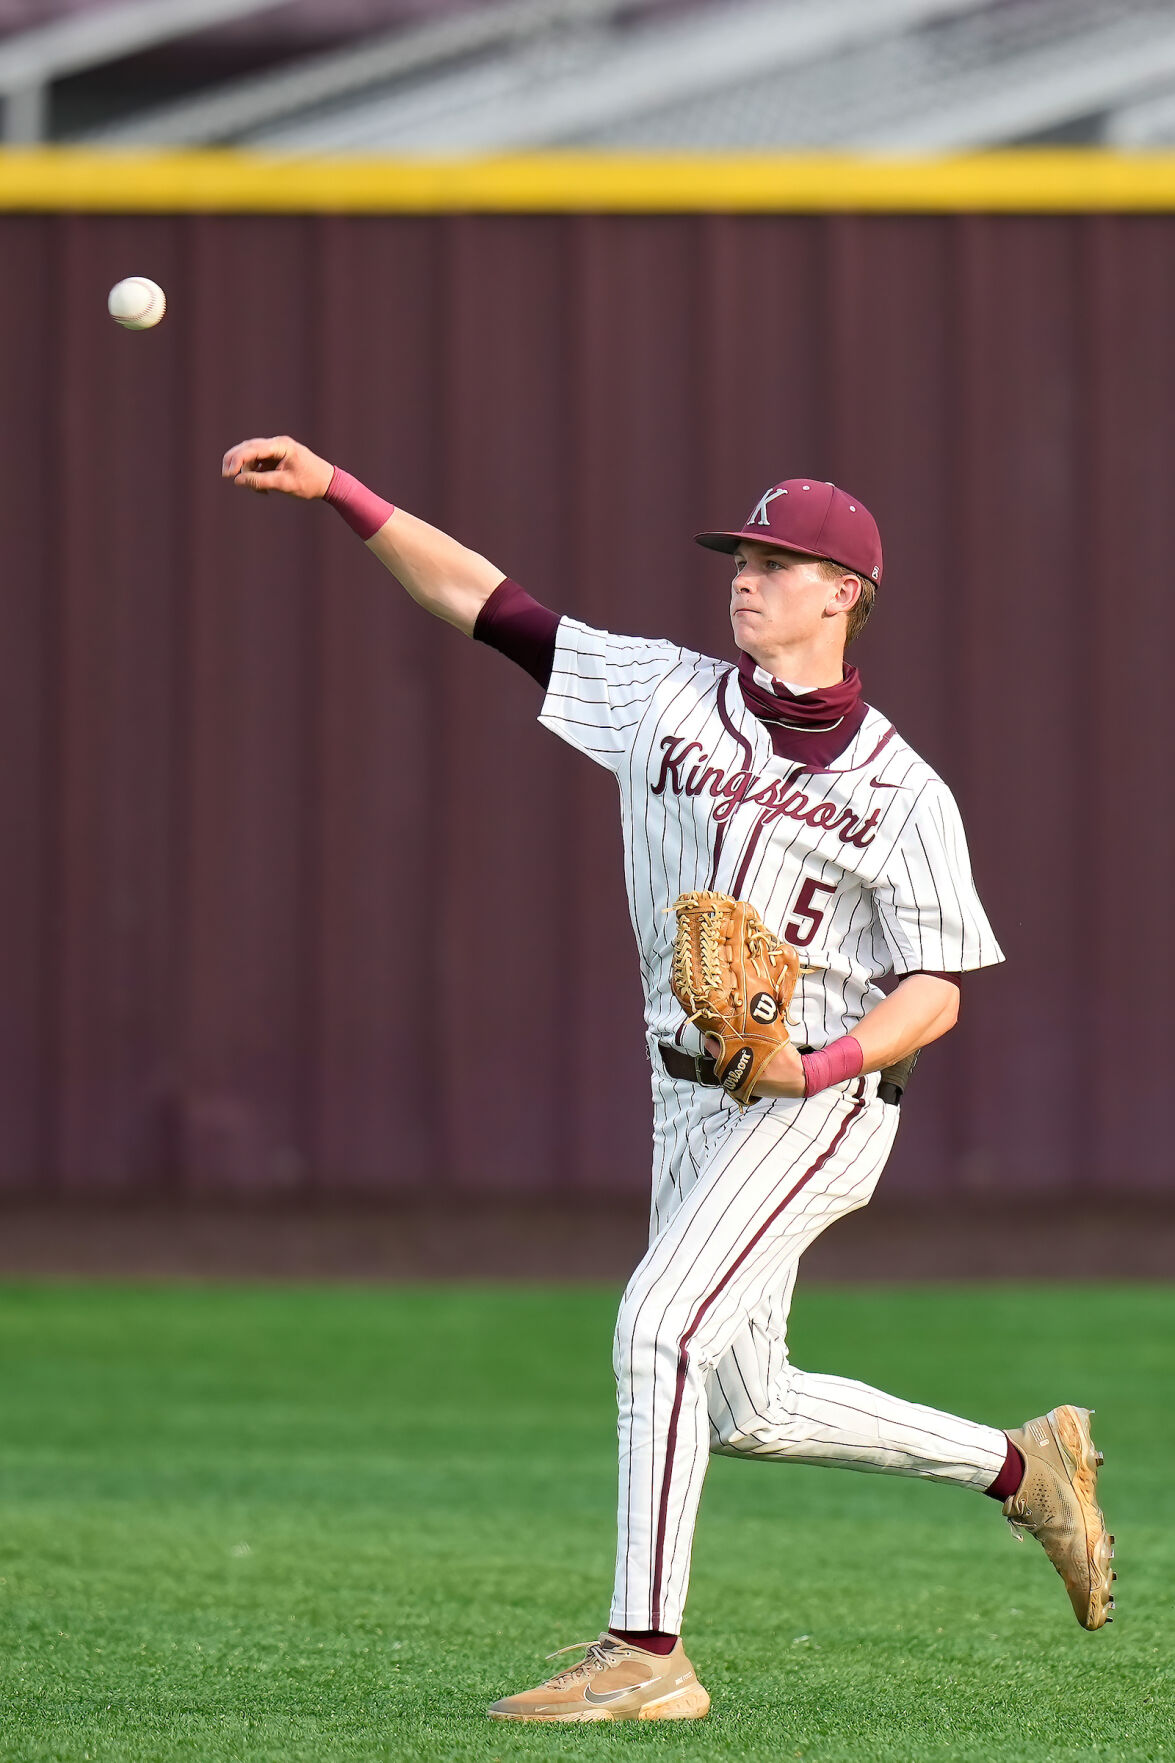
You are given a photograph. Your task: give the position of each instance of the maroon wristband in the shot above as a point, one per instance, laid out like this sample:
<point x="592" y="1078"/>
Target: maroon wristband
<point x="833" y="1064"/>
<point x="363" y="511"/>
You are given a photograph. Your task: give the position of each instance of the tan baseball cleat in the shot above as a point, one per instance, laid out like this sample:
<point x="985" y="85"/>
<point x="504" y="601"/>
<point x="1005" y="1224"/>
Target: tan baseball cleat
<point x="614" y="1680"/>
<point x="1057" y="1504"/>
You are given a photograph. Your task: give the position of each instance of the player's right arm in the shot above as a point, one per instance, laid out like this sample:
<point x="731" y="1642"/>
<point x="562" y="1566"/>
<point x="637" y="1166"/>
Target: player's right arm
<point x="442" y="575"/>
<point x="596" y="684"/>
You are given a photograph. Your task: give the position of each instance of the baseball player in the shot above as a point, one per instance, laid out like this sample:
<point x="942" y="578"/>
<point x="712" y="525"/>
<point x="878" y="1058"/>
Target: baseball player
<point x="769" y="781"/>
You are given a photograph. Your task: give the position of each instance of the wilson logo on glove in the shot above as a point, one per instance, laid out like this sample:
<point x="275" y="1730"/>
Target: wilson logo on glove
<point x="737" y="1070"/>
<point x="735" y="979"/>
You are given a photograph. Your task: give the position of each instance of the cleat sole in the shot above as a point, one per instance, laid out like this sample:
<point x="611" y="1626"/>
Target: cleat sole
<point x="1071" y="1427"/>
<point x="576" y="1719"/>
<point x="688" y="1704"/>
<point x="691" y="1703"/>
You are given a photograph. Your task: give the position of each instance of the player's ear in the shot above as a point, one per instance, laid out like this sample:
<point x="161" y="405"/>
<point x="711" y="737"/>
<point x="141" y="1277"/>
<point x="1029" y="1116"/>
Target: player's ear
<point x="847" y="590"/>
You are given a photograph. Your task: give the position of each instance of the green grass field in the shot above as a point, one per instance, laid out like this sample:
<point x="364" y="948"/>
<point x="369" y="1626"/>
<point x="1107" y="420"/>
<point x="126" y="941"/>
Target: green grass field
<point x="328" y="1523"/>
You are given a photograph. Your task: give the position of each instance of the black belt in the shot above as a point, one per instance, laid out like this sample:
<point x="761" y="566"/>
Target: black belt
<point x="687" y="1068"/>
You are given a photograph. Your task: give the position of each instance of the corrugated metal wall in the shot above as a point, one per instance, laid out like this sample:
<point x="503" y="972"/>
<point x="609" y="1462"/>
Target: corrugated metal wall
<point x="295" y="897"/>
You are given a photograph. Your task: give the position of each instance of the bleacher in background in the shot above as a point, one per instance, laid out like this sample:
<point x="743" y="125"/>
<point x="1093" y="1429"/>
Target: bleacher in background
<point x="442" y="76"/>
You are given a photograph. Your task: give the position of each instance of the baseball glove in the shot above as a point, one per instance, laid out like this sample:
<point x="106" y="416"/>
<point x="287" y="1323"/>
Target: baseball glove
<point x="735" y="979"/>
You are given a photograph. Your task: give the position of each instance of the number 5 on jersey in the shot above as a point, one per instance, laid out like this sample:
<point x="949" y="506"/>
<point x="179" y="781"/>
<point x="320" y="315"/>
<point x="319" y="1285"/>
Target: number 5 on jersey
<point x="800" y="935"/>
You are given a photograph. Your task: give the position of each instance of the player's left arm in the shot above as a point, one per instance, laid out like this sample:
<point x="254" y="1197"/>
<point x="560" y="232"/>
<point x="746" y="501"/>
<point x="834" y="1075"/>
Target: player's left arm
<point x="921" y="1009"/>
<point x="929" y="914"/>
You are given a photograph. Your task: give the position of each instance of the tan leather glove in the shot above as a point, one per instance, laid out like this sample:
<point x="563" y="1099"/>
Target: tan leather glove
<point x="734" y="978"/>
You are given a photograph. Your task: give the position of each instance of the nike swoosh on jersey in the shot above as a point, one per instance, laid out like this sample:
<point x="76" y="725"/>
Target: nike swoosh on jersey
<point x="599" y="1697"/>
<point x="877" y="783"/>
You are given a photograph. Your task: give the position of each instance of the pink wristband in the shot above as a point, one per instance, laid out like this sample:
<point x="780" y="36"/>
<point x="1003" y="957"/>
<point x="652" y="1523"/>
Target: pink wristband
<point x="833" y="1064"/>
<point x="363" y="511"/>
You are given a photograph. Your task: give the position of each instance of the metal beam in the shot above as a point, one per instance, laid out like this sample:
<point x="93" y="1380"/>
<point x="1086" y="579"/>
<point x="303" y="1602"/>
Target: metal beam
<point x="905" y="101"/>
<point x="1016" y="99"/>
<point x="26" y="113"/>
<point x="678" y="57"/>
<point x="31" y="60"/>
<point x="1150" y="122"/>
<point x="232" y="110"/>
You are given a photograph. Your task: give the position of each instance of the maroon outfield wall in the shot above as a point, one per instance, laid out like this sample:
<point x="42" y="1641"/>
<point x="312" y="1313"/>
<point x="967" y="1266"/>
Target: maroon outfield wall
<point x="295" y="896"/>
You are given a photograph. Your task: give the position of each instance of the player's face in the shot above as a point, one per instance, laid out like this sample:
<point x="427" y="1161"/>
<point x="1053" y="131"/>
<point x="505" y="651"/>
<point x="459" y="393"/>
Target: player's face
<point x="779" y="599"/>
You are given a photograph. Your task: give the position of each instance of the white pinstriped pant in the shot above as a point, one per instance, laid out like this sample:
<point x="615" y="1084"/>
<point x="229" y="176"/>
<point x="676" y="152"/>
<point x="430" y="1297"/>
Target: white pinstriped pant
<point x="700" y="1352"/>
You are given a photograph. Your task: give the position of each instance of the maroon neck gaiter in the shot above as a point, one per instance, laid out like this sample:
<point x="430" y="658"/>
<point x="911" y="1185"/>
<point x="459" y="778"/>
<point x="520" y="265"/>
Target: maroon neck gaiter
<point x="813" y="729"/>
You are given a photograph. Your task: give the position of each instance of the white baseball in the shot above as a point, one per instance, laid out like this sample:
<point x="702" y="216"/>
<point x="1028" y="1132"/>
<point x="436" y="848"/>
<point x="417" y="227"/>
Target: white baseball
<point x="137" y="303"/>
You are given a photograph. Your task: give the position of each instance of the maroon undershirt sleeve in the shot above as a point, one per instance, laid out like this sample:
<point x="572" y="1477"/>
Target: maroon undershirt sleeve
<point x="515" y="624"/>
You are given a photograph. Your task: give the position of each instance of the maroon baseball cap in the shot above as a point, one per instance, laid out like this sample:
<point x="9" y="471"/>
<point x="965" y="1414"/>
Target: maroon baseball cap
<point x="813" y="518"/>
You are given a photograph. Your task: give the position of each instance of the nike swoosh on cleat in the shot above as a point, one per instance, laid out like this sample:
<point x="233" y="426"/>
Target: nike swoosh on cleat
<point x="599" y="1698"/>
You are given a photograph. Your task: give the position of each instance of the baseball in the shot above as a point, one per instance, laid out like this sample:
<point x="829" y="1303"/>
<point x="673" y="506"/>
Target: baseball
<point x="137" y="303"/>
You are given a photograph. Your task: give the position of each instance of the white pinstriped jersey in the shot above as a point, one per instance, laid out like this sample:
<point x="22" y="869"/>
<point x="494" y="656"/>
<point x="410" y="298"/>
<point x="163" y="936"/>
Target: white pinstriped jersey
<point x="862" y="865"/>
